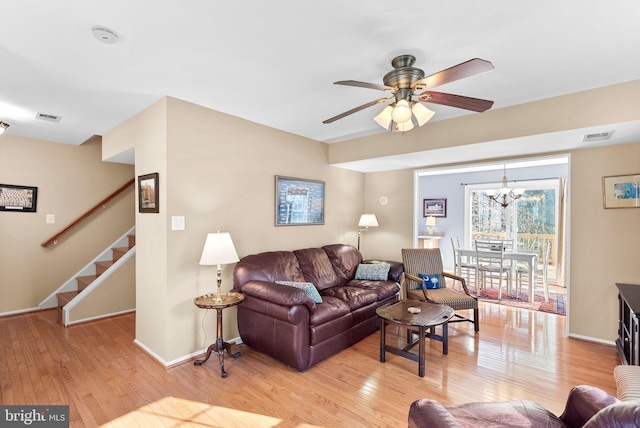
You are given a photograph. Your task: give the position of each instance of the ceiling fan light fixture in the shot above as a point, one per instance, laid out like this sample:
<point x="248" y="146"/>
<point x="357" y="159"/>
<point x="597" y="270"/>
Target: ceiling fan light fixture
<point x="422" y="113"/>
<point x="401" y="112"/>
<point x="3" y="127"/>
<point x="403" y="127"/>
<point x="384" y="118"/>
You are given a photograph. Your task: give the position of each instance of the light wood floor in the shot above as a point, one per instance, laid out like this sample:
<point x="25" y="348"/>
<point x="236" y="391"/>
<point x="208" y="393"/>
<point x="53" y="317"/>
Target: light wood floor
<point x="108" y="381"/>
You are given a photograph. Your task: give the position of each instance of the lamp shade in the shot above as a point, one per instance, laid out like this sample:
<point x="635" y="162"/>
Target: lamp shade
<point x="422" y="113"/>
<point x="368" y="220"/>
<point x="431" y="221"/>
<point x="218" y="250"/>
<point x="384" y="118"/>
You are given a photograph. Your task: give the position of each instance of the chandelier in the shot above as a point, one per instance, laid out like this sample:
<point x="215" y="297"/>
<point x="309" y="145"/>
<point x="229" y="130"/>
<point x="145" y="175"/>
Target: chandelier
<point x="505" y="195"/>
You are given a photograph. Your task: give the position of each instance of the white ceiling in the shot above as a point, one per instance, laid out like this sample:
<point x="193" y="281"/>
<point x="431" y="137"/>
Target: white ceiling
<point x="275" y="62"/>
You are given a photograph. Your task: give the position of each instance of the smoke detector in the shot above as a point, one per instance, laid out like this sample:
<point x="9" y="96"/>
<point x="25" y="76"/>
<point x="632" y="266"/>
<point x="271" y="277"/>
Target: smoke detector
<point x="104" y="34"/>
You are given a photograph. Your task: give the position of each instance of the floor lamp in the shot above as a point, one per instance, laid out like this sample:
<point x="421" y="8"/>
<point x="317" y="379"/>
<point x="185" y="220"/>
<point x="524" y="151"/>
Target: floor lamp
<point x="366" y="221"/>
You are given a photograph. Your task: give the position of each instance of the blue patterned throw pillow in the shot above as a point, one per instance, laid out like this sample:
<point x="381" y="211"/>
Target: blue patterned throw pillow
<point x="306" y="286"/>
<point x="430" y="281"/>
<point x="373" y="271"/>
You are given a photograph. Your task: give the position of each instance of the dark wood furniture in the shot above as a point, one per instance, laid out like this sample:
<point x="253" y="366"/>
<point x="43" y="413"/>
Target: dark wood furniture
<point x="430" y="316"/>
<point x="628" y="341"/>
<point x="209" y="301"/>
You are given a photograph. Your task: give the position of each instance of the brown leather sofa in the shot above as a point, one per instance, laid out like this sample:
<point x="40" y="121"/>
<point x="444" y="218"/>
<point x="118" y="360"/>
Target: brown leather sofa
<point x="285" y="323"/>
<point x="587" y="406"/>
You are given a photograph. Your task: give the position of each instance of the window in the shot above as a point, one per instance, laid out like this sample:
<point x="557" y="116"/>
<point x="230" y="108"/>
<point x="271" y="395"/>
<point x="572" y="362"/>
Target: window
<point x="524" y="224"/>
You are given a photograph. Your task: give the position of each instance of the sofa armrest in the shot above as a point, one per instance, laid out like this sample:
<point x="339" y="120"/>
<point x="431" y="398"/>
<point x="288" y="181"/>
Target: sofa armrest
<point x="278" y="294"/>
<point x="583" y="403"/>
<point x="430" y="413"/>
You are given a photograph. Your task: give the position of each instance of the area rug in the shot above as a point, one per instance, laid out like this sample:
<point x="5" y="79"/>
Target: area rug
<point x="555" y="305"/>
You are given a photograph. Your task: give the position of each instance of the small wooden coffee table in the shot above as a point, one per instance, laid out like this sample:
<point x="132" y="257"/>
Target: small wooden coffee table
<point x="430" y="316"/>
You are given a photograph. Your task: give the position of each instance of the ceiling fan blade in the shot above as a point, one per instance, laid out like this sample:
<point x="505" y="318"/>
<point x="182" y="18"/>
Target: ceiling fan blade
<point x="459" y="101"/>
<point x="356" y="109"/>
<point x="365" y="85"/>
<point x="466" y="69"/>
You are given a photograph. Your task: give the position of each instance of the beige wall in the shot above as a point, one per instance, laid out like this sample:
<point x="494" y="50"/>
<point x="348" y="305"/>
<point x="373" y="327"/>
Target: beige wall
<point x="217" y="170"/>
<point x="70" y="180"/>
<point x="604" y="248"/>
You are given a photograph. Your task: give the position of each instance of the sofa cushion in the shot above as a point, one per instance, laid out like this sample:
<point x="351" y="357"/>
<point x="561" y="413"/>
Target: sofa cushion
<point x="373" y="271"/>
<point x="506" y="414"/>
<point x="384" y="289"/>
<point x="354" y="297"/>
<point x="622" y="414"/>
<point x="308" y="287"/>
<point x="269" y="267"/>
<point x="331" y="308"/>
<point x="345" y="260"/>
<point x="316" y="267"/>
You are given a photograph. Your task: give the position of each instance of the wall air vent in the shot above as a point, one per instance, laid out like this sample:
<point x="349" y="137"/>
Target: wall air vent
<point x="599" y="136"/>
<point x="48" y="117"/>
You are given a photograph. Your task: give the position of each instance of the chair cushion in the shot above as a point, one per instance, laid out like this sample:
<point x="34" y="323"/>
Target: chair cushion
<point x="455" y="299"/>
<point x="373" y="271"/>
<point x="308" y="287"/>
<point x="627" y="382"/>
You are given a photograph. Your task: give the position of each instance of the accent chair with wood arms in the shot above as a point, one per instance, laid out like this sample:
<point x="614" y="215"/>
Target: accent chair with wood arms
<point x="428" y="261"/>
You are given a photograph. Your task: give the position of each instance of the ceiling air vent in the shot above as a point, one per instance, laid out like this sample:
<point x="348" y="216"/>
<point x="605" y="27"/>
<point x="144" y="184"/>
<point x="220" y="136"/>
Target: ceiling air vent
<point x="48" y="117"/>
<point x="600" y="136"/>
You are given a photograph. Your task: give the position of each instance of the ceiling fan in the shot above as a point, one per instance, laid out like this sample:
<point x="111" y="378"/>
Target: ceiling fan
<point x="403" y="82"/>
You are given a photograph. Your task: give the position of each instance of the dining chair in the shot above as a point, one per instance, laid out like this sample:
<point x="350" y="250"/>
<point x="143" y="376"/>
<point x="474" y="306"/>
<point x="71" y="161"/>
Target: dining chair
<point x="428" y="262"/>
<point x="466" y="266"/>
<point x="523" y="271"/>
<point x="490" y="265"/>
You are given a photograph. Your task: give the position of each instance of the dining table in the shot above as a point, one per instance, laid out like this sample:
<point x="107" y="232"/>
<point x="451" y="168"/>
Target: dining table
<point x="530" y="258"/>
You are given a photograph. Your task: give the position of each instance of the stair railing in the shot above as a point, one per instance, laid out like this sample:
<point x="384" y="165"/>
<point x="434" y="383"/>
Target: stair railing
<point x="101" y="204"/>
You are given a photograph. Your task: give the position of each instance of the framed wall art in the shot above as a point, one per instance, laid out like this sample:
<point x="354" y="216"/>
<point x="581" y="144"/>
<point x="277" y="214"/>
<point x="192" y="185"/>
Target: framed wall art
<point x="621" y="191"/>
<point x="299" y="202"/>
<point x="18" y="198"/>
<point x="435" y="208"/>
<point x="148" y="195"/>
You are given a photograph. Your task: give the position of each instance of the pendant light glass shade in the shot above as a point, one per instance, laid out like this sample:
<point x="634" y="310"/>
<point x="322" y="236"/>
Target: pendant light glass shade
<point x="401" y="112"/>
<point x="384" y="118"/>
<point x="422" y="113"/>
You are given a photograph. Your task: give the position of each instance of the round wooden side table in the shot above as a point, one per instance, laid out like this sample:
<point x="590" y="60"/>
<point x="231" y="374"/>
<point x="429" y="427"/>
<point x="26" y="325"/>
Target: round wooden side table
<point x="210" y="301"/>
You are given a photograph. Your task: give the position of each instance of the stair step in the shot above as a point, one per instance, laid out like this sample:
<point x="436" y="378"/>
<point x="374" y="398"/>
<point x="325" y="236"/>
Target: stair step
<point x="84" y="281"/>
<point x="132" y="240"/>
<point x="119" y="252"/>
<point x="64" y="298"/>
<point x="102" y="266"/>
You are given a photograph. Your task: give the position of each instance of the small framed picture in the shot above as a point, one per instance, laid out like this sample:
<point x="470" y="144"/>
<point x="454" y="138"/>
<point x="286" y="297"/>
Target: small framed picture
<point x="18" y="198"/>
<point x="299" y="202"/>
<point x="148" y="196"/>
<point x="621" y="191"/>
<point x="435" y="208"/>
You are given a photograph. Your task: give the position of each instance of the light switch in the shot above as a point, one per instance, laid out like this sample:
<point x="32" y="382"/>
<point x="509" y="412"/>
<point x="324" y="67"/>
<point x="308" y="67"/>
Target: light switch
<point x="51" y="218"/>
<point x="177" y="222"/>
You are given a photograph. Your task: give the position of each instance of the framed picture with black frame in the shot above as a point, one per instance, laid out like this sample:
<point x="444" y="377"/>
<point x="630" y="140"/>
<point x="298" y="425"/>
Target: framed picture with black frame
<point x="148" y="193"/>
<point x="20" y="199"/>
<point x="434" y="208"/>
<point x="299" y="202"/>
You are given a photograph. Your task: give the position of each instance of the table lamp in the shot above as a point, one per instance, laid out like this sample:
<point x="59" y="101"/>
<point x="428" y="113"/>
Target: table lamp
<point x="218" y="250"/>
<point x="431" y="223"/>
<point x="366" y="221"/>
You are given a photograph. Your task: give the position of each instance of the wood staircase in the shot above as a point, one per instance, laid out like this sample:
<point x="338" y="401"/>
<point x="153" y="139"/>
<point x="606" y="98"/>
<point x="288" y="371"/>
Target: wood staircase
<point x="101" y="266"/>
